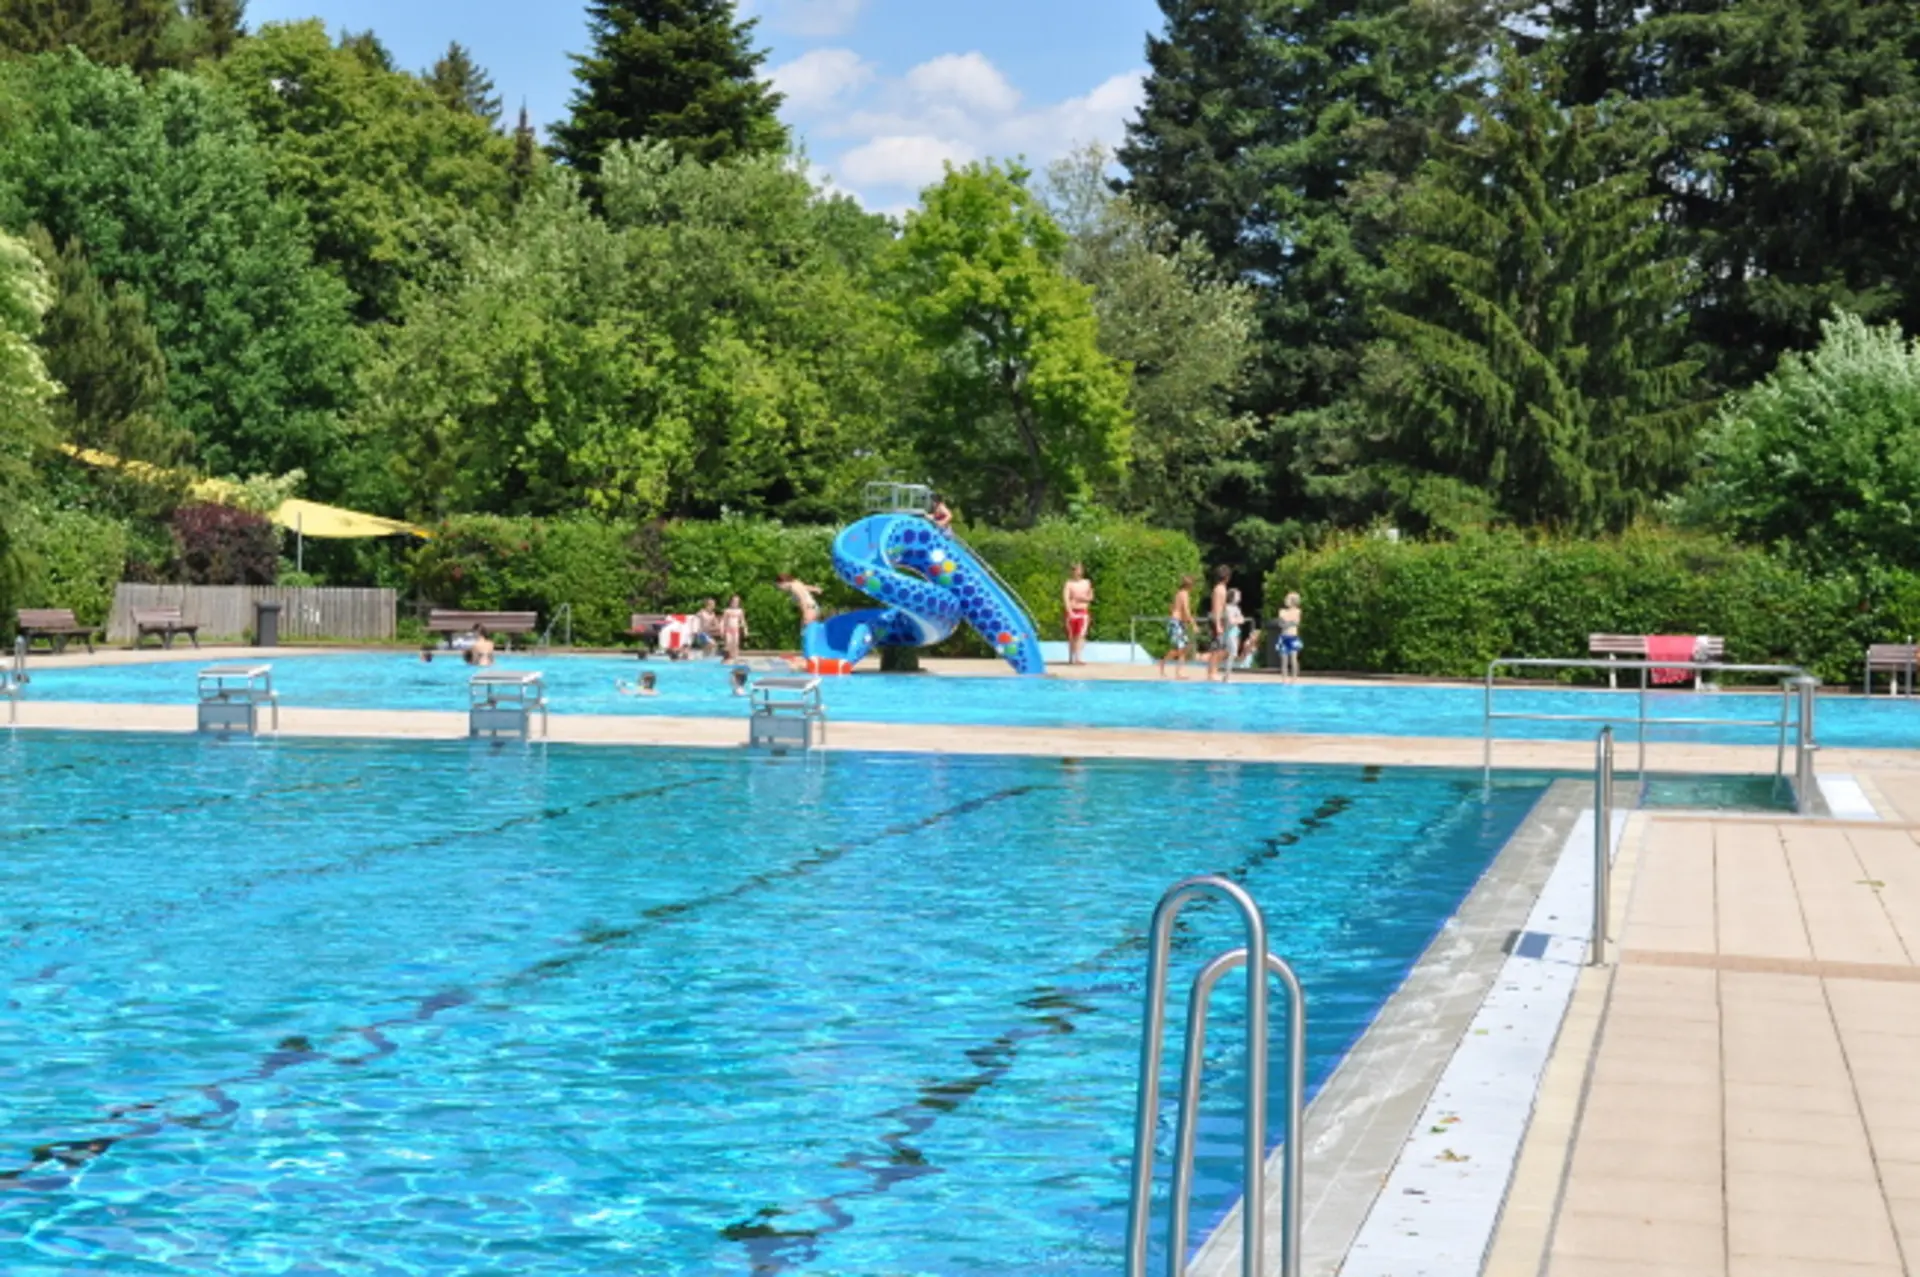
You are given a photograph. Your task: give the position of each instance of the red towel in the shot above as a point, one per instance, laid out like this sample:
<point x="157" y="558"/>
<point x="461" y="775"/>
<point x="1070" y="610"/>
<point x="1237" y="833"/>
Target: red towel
<point x="1670" y="647"/>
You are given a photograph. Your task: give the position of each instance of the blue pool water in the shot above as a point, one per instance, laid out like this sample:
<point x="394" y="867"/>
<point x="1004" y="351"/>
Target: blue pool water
<point x="372" y="1008"/>
<point x="587" y="685"/>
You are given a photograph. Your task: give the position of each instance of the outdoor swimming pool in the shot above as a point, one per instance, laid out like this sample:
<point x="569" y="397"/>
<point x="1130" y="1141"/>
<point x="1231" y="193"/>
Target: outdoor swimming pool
<point x="371" y="1007"/>
<point x="586" y="685"/>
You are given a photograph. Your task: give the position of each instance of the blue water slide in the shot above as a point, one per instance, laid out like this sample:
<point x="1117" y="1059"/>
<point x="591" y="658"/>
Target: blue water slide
<point x="928" y="582"/>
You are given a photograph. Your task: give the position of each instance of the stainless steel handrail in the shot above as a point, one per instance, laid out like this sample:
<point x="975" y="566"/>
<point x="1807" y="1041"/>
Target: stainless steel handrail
<point x="1147" y="1117"/>
<point x="563" y="612"/>
<point x="1602" y="843"/>
<point x="1789" y="674"/>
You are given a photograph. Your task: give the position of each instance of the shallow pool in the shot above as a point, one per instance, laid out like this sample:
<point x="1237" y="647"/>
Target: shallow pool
<point x="337" y="1007"/>
<point x="589" y="685"/>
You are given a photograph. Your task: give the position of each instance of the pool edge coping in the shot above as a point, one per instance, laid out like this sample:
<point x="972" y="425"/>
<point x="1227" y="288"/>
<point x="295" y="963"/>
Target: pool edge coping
<point x="1363" y="1117"/>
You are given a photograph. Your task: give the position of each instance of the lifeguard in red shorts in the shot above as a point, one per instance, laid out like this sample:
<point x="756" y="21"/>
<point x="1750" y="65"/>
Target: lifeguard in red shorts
<point x="1076" y="601"/>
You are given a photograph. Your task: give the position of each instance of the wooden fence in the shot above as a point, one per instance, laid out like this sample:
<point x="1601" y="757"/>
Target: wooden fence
<point x="226" y="611"/>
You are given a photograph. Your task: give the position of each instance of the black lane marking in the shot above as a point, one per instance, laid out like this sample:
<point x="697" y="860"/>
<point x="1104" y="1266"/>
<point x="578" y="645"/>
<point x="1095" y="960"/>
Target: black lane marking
<point x="152" y="1117"/>
<point x="773" y="1250"/>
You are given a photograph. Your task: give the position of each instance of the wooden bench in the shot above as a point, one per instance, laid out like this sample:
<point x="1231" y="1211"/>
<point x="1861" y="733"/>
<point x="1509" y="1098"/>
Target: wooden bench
<point x="54" y="626"/>
<point x="1896" y="659"/>
<point x="448" y="621"/>
<point x="164" y="621"/>
<point x="1634" y="648"/>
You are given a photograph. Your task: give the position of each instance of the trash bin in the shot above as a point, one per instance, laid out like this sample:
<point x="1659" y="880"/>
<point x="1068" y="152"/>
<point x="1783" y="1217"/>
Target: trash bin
<point x="266" y="625"/>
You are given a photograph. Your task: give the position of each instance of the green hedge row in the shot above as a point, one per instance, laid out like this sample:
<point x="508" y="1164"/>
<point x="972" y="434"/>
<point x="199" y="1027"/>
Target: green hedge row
<point x="67" y="558"/>
<point x="607" y="571"/>
<point x="1446" y="608"/>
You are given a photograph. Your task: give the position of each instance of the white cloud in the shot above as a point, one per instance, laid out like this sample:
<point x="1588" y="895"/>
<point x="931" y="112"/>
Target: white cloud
<point x="912" y="161"/>
<point x="813" y="19"/>
<point x="898" y="132"/>
<point x="820" y="77"/>
<point x="964" y="80"/>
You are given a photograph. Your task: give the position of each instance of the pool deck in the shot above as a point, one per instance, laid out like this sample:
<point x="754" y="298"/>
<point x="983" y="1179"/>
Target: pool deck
<point x="1734" y="1095"/>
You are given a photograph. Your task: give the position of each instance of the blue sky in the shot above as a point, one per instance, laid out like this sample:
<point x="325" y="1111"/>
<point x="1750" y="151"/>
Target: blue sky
<point x="882" y="91"/>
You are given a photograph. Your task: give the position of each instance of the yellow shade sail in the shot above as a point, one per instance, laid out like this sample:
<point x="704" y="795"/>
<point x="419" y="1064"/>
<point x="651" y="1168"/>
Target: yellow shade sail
<point x="311" y="519"/>
<point x="307" y="518"/>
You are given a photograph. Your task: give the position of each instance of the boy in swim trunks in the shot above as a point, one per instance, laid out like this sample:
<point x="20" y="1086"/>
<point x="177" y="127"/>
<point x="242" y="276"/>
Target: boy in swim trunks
<point x="802" y="595"/>
<point x="1076" y="600"/>
<point x="1180" y="629"/>
<point x="1218" y="653"/>
<point x="1290" y="639"/>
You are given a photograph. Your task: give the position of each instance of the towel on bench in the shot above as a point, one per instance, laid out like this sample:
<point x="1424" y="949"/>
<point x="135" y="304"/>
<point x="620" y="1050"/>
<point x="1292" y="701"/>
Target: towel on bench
<point x="1671" y="647"/>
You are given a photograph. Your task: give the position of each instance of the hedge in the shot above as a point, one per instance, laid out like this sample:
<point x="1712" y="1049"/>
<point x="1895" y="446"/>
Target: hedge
<point x="70" y="559"/>
<point x="1446" y="608"/>
<point x="607" y="571"/>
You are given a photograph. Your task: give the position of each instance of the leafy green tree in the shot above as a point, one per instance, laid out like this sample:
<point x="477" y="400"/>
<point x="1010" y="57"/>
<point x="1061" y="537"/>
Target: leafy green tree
<point x="1024" y="414"/>
<point x="167" y="190"/>
<point x="789" y="375"/>
<point x="25" y="390"/>
<point x="101" y="348"/>
<point x="1187" y="334"/>
<point x="1533" y="323"/>
<point x="464" y="84"/>
<point x="684" y="72"/>
<point x="526" y="159"/>
<point x="523" y="380"/>
<point x="1823" y="457"/>
<point x="381" y="163"/>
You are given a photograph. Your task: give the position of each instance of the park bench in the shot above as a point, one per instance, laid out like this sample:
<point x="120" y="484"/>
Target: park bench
<point x="1896" y="659"/>
<point x="54" y="626"/>
<point x="163" y="621"/>
<point x="1634" y="648"/>
<point x="448" y="621"/>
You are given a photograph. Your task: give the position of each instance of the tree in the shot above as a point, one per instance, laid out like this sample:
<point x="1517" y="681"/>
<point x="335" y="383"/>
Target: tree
<point x="101" y="348"/>
<point x="382" y="165"/>
<point x="1532" y="321"/>
<point x="788" y="374"/>
<point x="1793" y="151"/>
<point x="682" y="72"/>
<point x="1822" y="459"/>
<point x="1165" y="311"/>
<point x="526" y="159"/>
<point x="168" y="191"/>
<point x="1024" y="413"/>
<point x="25" y="390"/>
<point x="145" y="35"/>
<point x="464" y="85"/>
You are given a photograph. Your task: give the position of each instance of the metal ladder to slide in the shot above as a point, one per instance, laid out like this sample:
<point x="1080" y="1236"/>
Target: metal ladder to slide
<point x="1253" y="1199"/>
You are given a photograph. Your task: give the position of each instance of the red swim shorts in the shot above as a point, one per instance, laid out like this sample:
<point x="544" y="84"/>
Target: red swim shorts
<point x="1077" y="623"/>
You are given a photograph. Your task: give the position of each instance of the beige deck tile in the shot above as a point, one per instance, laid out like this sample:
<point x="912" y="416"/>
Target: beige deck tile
<point x="1779" y="1266"/>
<point x="1628" y="1237"/>
<point x="1588" y="1266"/>
<point x="1852" y="1237"/>
<point x="1756" y="988"/>
<point x="1791" y="1097"/>
<point x="1843" y="1156"/>
<point x="1648" y="1200"/>
<point x="1846" y="921"/>
<point x="1891" y="857"/>
<point x="1757" y="910"/>
<point x="1900" y="1180"/>
<point x="1805" y="1194"/>
<point x="1604" y="1155"/>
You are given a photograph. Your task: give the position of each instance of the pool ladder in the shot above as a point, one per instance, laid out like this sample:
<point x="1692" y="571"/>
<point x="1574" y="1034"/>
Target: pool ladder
<point x="1253" y="1185"/>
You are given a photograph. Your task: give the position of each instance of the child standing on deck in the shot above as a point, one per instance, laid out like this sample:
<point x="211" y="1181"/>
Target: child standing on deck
<point x="733" y="627"/>
<point x="1289" y="647"/>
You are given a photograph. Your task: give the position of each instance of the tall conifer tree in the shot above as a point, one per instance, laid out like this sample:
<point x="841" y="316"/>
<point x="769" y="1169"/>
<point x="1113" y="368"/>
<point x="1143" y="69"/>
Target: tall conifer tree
<point x="464" y="84"/>
<point x="684" y="72"/>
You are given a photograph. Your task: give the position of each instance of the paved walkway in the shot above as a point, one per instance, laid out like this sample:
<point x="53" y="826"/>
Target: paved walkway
<point x="1753" y="1105"/>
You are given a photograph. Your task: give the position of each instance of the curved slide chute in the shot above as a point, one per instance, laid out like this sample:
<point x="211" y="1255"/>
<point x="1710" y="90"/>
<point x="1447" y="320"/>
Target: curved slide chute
<point x="930" y="583"/>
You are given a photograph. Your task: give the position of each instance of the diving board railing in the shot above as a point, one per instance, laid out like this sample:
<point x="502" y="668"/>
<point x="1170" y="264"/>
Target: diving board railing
<point x="1253" y="1213"/>
<point x="898" y="498"/>
<point x="231" y="697"/>
<point x="1795" y="716"/>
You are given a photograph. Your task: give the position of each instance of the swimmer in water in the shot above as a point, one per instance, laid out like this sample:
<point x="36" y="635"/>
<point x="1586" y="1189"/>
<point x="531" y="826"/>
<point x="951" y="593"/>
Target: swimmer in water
<point x="739" y="680"/>
<point x="645" y="687"/>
